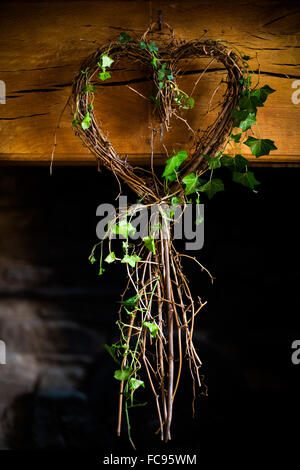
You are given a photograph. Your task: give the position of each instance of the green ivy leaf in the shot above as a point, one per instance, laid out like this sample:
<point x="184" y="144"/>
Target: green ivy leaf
<point x="190" y="102"/>
<point x="259" y="96"/>
<point x="255" y="99"/>
<point x="176" y="200"/>
<point x="92" y="259"/>
<point x="246" y="179"/>
<point x="240" y="162"/>
<point x="154" y="62"/>
<point x="245" y="81"/>
<point x="192" y="183"/>
<point x="112" y="351"/>
<point x="104" y="76"/>
<point x="131" y="259"/>
<point x="246" y="104"/>
<point x="131" y="303"/>
<point x="243" y="119"/>
<point x="234" y="163"/>
<point x="236" y="137"/>
<point x="123" y="228"/>
<point x="173" y="164"/>
<point x="178" y="99"/>
<point x="101" y="271"/>
<point x="161" y="74"/>
<point x="86" y="122"/>
<point x="184" y="101"/>
<point x="213" y="162"/>
<point x="123" y="374"/>
<point x="149" y="243"/>
<point x="260" y="147"/>
<point x="89" y="88"/>
<point x="227" y="161"/>
<point x="106" y="61"/>
<point x="135" y="383"/>
<point x="152" y="327"/>
<point x="124" y="37"/>
<point x="75" y="121"/>
<point x="248" y="122"/>
<point x="152" y="47"/>
<point x="164" y="73"/>
<point x="212" y="187"/>
<point x="143" y="45"/>
<point x="110" y="258"/>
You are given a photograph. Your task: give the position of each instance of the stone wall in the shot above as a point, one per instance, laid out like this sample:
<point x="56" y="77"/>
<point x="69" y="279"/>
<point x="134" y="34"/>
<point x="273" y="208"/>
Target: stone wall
<point x="57" y="388"/>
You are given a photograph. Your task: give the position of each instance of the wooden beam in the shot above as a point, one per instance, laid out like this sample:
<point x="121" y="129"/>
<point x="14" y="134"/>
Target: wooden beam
<point x="43" y="43"/>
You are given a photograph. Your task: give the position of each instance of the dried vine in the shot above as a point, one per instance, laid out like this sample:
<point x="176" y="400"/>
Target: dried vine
<point x="162" y="300"/>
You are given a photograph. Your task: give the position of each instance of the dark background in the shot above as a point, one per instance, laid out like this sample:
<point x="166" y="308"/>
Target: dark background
<point x="56" y="314"/>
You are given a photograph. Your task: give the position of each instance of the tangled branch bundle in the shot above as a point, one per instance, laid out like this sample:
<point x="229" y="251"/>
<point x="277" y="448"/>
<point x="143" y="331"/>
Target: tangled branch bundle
<point x="157" y="300"/>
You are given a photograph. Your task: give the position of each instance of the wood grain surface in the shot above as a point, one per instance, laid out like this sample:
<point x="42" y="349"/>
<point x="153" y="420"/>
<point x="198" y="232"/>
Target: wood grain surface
<point x="43" y="43"/>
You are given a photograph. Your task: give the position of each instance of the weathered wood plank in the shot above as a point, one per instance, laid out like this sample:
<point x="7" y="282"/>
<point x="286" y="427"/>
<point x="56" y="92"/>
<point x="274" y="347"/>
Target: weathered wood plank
<point x="41" y="49"/>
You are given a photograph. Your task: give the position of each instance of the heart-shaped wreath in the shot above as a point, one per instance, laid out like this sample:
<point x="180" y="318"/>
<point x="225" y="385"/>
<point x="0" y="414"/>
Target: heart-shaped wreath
<point x="161" y="294"/>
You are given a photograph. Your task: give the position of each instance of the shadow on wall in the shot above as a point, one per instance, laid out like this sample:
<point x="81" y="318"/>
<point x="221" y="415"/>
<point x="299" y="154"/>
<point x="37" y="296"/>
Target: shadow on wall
<point x="85" y="418"/>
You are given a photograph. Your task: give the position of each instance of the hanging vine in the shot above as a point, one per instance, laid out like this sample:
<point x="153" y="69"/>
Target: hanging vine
<point x="157" y="299"/>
